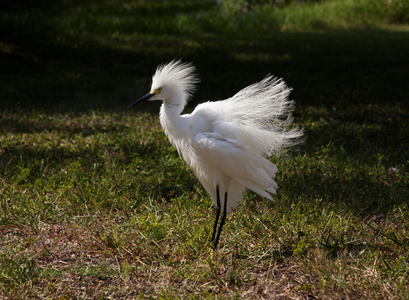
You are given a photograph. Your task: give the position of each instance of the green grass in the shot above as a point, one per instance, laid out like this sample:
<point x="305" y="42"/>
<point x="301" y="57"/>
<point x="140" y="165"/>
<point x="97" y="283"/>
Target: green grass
<point x="95" y="203"/>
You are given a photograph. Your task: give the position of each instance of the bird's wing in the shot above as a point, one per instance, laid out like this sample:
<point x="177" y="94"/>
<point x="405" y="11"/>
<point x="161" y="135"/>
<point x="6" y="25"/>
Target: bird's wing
<point x="232" y="160"/>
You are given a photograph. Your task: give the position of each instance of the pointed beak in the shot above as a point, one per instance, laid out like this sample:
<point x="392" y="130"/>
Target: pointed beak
<point x="142" y="99"/>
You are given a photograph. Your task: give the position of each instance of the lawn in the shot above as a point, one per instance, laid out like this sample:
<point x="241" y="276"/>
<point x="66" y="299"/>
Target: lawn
<point x="96" y="204"/>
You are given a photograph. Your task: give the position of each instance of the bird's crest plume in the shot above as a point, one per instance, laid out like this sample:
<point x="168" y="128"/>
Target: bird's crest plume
<point x="180" y="77"/>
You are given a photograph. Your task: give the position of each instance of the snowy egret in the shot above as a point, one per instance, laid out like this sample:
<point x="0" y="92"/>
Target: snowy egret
<point x="226" y="142"/>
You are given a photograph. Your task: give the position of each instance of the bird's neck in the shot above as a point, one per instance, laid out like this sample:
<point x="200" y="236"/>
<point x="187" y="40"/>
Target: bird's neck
<point x="176" y="127"/>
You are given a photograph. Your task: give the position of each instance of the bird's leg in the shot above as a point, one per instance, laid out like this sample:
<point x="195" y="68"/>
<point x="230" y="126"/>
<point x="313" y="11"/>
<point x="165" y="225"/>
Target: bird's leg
<point x="217" y="213"/>
<point x="223" y="218"/>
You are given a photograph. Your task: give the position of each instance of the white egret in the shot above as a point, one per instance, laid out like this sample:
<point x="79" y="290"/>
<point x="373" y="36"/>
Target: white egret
<point x="226" y="142"/>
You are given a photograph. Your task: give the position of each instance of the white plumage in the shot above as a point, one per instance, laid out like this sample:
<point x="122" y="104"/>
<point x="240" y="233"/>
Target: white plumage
<point x="226" y="142"/>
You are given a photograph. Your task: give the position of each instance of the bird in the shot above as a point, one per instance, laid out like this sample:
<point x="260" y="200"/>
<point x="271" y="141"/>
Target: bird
<point x="226" y="143"/>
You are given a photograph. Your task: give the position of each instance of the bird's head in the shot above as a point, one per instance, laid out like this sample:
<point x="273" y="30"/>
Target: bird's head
<point x="173" y="83"/>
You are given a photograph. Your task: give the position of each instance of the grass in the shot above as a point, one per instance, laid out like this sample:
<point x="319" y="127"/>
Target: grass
<point x="95" y="203"/>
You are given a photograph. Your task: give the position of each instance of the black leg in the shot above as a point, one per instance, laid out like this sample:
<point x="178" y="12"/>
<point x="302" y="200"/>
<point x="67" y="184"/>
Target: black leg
<point x="217" y="213"/>
<point x="223" y="218"/>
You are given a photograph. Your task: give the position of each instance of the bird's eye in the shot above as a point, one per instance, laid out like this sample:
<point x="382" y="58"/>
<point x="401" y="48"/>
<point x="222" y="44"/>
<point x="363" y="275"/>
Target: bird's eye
<point x="156" y="91"/>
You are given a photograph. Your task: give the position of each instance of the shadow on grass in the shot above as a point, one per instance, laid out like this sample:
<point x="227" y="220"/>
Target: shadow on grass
<point x="64" y="67"/>
<point x="14" y="124"/>
<point x="357" y="77"/>
<point x="364" y="189"/>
